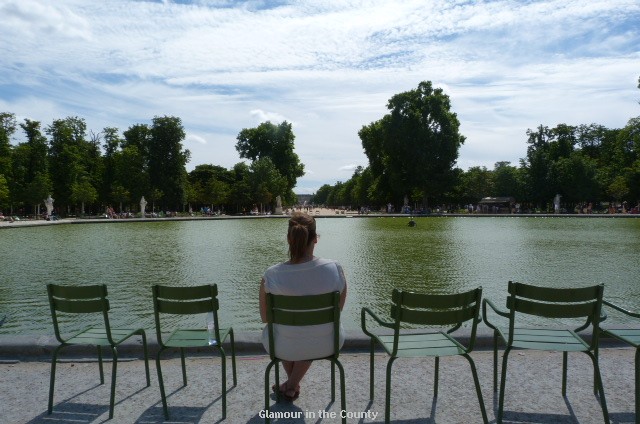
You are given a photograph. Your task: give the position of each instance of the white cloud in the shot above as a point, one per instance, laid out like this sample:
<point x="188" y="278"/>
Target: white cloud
<point x="263" y="116"/>
<point x="195" y="138"/>
<point x="350" y="167"/>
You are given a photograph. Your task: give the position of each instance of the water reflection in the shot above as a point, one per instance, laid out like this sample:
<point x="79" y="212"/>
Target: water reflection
<point x="439" y="255"/>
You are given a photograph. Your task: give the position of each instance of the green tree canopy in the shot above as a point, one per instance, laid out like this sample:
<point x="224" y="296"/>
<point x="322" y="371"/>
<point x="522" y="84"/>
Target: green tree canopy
<point x="4" y="192"/>
<point x="275" y="142"/>
<point x="412" y="150"/>
<point x="266" y="181"/>
<point x="7" y="128"/>
<point x="167" y="161"/>
<point x="68" y="158"/>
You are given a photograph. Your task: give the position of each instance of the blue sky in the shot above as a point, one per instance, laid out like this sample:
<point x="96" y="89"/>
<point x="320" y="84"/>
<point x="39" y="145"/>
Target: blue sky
<point x="328" y="67"/>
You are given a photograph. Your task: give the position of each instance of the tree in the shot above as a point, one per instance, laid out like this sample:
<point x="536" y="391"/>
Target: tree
<point x="38" y="149"/>
<point x="111" y="147"/>
<point x="36" y="190"/>
<point x="628" y="157"/>
<point x="275" y="142"/>
<point x="334" y="196"/>
<point x="321" y="195"/>
<point x="71" y="158"/>
<point x="476" y="183"/>
<point x="120" y="195"/>
<point x="537" y="164"/>
<point x="167" y="161"/>
<point x="412" y="150"/>
<point x="241" y="189"/>
<point x="4" y="192"/>
<point x="618" y="189"/>
<point x="7" y="128"/>
<point x="210" y="185"/>
<point x="575" y="178"/>
<point x="507" y="181"/>
<point x="266" y="181"/>
<point x="130" y="173"/>
<point x="83" y="192"/>
<point x="363" y="179"/>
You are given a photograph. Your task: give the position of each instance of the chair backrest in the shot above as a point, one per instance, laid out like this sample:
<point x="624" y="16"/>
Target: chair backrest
<point x="558" y="303"/>
<point x="189" y="300"/>
<point x="303" y="311"/>
<point x="78" y="300"/>
<point x="436" y="310"/>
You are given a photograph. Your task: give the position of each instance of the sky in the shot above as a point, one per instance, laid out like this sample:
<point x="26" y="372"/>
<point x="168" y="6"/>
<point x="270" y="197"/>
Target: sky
<point x="327" y="67"/>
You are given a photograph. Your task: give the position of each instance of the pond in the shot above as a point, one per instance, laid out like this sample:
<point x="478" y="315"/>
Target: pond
<point x="439" y="255"/>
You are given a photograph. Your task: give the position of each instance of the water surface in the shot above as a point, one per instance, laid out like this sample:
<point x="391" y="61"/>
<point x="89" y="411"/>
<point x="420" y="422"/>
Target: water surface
<point x="439" y="255"/>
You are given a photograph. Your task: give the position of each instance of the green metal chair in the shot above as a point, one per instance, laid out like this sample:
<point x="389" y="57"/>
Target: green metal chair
<point x="631" y="336"/>
<point x="89" y="300"/>
<point x="550" y="303"/>
<point x="426" y="310"/>
<point x="304" y="311"/>
<point x="191" y="301"/>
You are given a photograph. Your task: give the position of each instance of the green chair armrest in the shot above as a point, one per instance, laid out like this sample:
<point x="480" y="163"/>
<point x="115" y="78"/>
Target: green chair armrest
<point x="498" y="311"/>
<point x="621" y="309"/>
<point x="363" y="321"/>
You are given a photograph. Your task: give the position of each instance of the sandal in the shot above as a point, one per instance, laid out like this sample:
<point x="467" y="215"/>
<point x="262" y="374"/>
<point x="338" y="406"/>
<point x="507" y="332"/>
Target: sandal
<point x="291" y="398"/>
<point x="284" y="393"/>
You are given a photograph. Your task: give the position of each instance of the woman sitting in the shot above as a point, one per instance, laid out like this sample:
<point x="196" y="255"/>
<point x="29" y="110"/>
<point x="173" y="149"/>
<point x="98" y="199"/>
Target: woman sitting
<point x="303" y="275"/>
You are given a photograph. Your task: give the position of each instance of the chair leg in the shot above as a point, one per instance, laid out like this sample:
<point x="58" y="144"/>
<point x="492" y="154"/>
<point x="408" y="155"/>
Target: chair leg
<point x="333" y="381"/>
<point x="184" y="367"/>
<point x="485" y="419"/>
<point x="100" y="364"/>
<point x="638" y="386"/>
<point x="565" y="358"/>
<point x="114" y="370"/>
<point x="495" y="361"/>
<point x="435" y="377"/>
<point x="145" y="352"/>
<point x="603" y="401"/>
<point x="52" y="381"/>
<point x="266" y="391"/>
<point x="343" y="401"/>
<point x="371" y="370"/>
<point x="161" y="383"/>
<point x="233" y="358"/>
<point x="223" y="363"/>
<point x="277" y="372"/>
<point x="503" y="381"/>
<point x="596" y="352"/>
<point x="387" y="404"/>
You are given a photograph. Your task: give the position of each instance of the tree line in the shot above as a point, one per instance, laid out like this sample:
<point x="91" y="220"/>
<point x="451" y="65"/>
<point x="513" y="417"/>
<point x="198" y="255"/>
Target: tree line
<point x="87" y="172"/>
<point x="412" y="152"/>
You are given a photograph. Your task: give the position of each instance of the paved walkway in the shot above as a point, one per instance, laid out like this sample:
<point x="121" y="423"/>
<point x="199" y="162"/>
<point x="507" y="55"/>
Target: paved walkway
<point x="533" y="390"/>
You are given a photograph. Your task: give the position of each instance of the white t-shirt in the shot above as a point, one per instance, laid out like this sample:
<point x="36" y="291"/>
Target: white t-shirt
<point x="317" y="276"/>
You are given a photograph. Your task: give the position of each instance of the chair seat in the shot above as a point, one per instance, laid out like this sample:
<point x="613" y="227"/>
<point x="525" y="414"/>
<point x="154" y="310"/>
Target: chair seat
<point x="558" y="340"/>
<point x="192" y="337"/>
<point x="627" y="335"/>
<point x="416" y="345"/>
<point x="98" y="336"/>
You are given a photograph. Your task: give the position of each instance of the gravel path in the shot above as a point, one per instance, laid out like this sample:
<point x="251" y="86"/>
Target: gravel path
<point x="533" y="391"/>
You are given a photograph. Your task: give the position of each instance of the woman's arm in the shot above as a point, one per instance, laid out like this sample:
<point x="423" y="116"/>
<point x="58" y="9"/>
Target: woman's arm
<point x="263" y="302"/>
<point x="343" y="296"/>
<point x="343" y="293"/>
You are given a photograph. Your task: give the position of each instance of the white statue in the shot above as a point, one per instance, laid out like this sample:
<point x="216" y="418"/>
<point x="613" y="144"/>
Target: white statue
<point x="278" y="210"/>
<point x="49" y="204"/>
<point x="143" y="206"/>
<point x="556" y="203"/>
